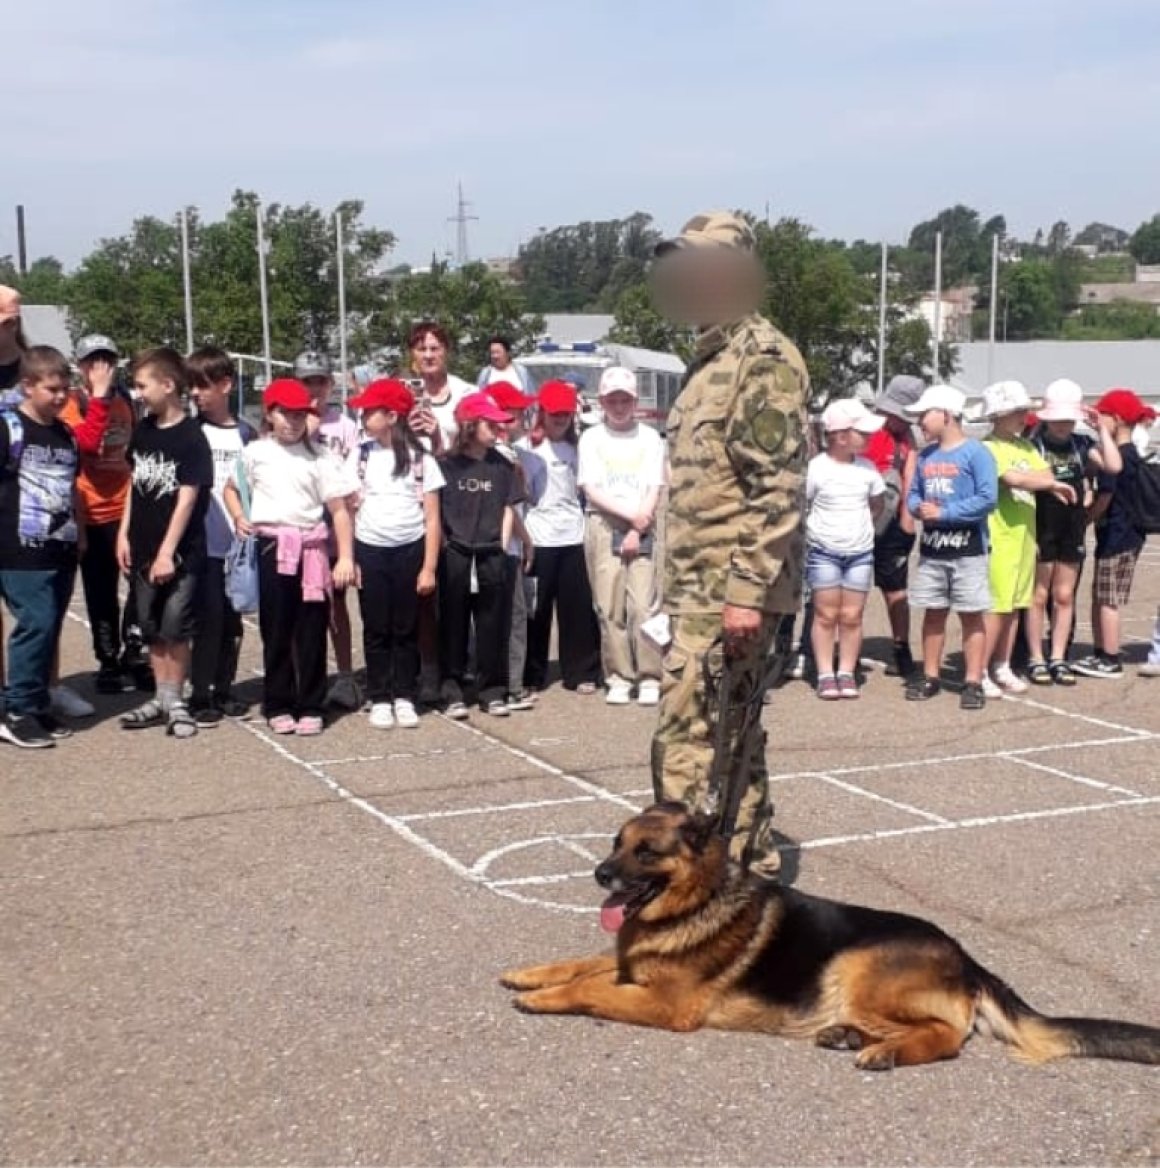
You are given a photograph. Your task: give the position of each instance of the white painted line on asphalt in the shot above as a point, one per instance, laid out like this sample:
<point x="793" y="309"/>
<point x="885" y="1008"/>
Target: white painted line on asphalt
<point x="1081" y="779"/>
<point x="1074" y="715"/>
<point x="434" y="752"/>
<point x="530" y="805"/>
<point x="400" y="829"/>
<point x="963" y="824"/>
<point x="480" y="867"/>
<point x="578" y="849"/>
<point x="549" y="768"/>
<point x="981" y="756"/>
<point x="525" y="881"/>
<point x="908" y="808"/>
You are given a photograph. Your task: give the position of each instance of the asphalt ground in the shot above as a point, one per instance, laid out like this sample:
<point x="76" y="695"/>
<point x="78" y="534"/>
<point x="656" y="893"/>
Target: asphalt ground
<point x="260" y="950"/>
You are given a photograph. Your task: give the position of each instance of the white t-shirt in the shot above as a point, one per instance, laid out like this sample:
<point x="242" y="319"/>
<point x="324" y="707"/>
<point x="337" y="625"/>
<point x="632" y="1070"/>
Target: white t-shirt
<point x="390" y="514"/>
<point x="838" y="498"/>
<point x="555" y="518"/>
<point x="445" y="412"/>
<point x="226" y="444"/>
<point x="290" y="485"/>
<point x="625" y="464"/>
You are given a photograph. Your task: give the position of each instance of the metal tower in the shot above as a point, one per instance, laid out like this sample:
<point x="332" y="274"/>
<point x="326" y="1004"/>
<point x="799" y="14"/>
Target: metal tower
<point x="461" y="219"/>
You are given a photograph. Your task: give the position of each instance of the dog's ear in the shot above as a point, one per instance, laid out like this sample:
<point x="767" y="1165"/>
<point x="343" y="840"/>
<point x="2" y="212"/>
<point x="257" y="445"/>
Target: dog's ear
<point x="697" y="830"/>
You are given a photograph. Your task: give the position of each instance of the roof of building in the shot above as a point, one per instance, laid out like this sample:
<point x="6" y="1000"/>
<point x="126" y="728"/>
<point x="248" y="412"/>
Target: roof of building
<point x="566" y="328"/>
<point x="1095" y="365"/>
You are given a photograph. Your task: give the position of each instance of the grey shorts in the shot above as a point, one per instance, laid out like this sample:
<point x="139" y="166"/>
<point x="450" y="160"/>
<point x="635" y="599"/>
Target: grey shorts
<point x="961" y="584"/>
<point x="166" y="612"/>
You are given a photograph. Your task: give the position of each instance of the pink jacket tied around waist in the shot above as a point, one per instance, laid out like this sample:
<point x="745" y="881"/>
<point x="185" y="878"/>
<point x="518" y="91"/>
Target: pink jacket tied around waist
<point x="310" y="548"/>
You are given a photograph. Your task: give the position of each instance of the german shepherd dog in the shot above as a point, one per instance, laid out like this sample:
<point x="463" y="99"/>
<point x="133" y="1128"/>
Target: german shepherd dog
<point x="699" y="943"/>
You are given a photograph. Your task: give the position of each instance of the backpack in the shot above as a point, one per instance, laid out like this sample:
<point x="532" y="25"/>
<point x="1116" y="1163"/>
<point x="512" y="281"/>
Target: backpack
<point x="1145" y="502"/>
<point x="364" y="453"/>
<point x="15" y="423"/>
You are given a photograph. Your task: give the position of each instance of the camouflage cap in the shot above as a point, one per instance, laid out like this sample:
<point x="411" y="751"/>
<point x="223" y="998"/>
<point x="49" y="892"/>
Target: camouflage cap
<point x="712" y="229"/>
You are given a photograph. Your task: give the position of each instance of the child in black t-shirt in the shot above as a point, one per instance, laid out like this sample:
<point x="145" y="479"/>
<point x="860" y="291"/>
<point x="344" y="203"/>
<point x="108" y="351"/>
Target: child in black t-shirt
<point x="161" y="544"/>
<point x="38" y="542"/>
<point x="477" y="513"/>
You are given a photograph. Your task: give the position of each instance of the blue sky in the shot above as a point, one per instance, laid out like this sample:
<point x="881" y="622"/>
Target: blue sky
<point x="859" y="116"/>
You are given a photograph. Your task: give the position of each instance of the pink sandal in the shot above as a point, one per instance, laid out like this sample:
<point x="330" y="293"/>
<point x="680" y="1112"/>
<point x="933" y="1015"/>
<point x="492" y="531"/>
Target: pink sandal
<point x="283" y="724"/>
<point x="309" y="727"/>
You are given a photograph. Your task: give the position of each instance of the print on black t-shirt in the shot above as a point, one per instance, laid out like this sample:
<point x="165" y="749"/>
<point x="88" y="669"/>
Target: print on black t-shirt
<point x="37" y="518"/>
<point x="472" y="502"/>
<point x="165" y="459"/>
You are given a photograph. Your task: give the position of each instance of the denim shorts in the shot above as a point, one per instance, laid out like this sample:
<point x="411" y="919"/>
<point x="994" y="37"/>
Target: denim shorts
<point x="853" y="571"/>
<point x="962" y="584"/>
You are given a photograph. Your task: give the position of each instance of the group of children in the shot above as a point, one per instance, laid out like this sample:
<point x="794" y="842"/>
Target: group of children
<point x="471" y="522"/>
<point x="481" y="517"/>
<point x="1000" y="526"/>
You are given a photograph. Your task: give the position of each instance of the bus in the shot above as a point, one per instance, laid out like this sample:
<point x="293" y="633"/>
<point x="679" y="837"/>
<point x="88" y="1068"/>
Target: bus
<point x="659" y="376"/>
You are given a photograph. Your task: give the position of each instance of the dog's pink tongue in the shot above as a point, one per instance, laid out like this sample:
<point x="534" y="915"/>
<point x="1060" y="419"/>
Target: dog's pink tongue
<point x="611" y="916"/>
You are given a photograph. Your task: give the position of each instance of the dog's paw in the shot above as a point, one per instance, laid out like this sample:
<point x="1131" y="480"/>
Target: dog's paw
<point x="527" y="1003"/>
<point x="838" y="1038"/>
<point x="520" y="979"/>
<point x="875" y="1058"/>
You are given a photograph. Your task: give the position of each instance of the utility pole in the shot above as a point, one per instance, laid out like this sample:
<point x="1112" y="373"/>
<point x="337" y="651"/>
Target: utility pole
<point x="461" y="218"/>
<point x="186" y="285"/>
<point x="21" y="243"/>
<point x="937" y="330"/>
<point x="882" y="292"/>
<point x="263" y="293"/>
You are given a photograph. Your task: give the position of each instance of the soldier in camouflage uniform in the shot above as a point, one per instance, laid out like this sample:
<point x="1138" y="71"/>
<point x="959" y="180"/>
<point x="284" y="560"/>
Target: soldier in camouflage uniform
<point x="734" y="549"/>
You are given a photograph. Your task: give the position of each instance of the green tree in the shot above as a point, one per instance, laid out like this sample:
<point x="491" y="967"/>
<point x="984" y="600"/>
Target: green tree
<point x="1121" y="320"/>
<point x="1145" y="242"/>
<point x="45" y="282"/>
<point x="471" y="302"/>
<point x="1030" y="300"/>
<point x="586" y="266"/>
<point x="1058" y="238"/>
<point x="963" y="246"/>
<point x="639" y="323"/>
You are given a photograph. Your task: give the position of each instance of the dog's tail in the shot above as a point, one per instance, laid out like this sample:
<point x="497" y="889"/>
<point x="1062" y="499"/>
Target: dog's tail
<point x="1035" y="1038"/>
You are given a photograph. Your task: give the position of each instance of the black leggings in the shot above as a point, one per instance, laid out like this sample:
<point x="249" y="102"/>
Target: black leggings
<point x="490" y="607"/>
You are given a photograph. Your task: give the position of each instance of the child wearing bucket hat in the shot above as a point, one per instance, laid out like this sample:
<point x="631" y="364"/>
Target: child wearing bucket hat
<point x="1060" y="526"/>
<point x="1023" y="472"/>
<point x="1118" y="536"/>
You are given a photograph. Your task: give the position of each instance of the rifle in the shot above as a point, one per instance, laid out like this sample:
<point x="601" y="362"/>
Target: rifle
<point x="736" y="704"/>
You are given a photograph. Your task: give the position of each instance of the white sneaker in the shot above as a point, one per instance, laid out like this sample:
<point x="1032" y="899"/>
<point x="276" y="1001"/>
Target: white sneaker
<point x="382" y="716"/>
<point x="67" y="703"/>
<point x="990" y="689"/>
<point x="405" y="715"/>
<point x="1149" y="669"/>
<point x="648" y="693"/>
<point x="619" y="693"/>
<point x="1008" y="681"/>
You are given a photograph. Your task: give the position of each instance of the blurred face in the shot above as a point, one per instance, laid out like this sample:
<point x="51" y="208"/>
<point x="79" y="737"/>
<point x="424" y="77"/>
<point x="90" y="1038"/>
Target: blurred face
<point x="213" y="400"/>
<point x="486" y="433"/>
<point x="8" y="329"/>
<point x="1059" y="431"/>
<point x="933" y="424"/>
<point x="619" y="409"/>
<point x="153" y="390"/>
<point x="896" y="426"/>
<point x="46" y="397"/>
<point x="319" y="388"/>
<point x="86" y="364"/>
<point x="287" y="426"/>
<point x="429" y="356"/>
<point x="707" y="286"/>
<point x="556" y="425"/>
<point x="848" y="442"/>
<point x="1010" y="425"/>
<point x="379" y="423"/>
<point x="498" y="356"/>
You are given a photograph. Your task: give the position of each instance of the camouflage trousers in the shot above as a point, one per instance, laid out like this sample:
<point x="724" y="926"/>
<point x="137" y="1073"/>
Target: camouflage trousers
<point x="683" y="744"/>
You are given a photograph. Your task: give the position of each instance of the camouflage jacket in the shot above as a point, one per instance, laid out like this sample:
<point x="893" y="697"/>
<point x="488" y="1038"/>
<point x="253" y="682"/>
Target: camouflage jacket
<point x="738" y="459"/>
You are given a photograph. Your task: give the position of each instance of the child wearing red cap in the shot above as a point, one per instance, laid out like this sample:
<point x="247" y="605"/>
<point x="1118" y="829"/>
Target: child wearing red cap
<point x="291" y="483"/>
<point x="481" y="490"/>
<point x="556" y="523"/>
<point x="1118" y="539"/>
<point x="397" y="534"/>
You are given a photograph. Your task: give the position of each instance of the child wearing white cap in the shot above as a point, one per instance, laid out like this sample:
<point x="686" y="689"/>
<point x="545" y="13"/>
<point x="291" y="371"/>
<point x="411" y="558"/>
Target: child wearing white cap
<point x="1059" y="526"/>
<point x="1023" y="472"/>
<point x="954" y="489"/>
<point x="844" y="494"/>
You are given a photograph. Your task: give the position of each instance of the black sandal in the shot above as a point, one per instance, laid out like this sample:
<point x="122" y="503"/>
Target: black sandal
<point x="1061" y="673"/>
<point x="152" y="713"/>
<point x="1038" y="673"/>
